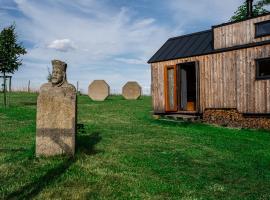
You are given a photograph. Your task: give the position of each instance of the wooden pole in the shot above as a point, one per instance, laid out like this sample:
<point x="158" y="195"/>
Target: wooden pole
<point x="5" y="95"/>
<point x="10" y="83"/>
<point x="77" y="86"/>
<point x="28" y="88"/>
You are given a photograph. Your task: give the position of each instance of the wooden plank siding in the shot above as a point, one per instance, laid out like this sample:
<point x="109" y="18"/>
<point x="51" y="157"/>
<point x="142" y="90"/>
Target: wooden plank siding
<point x="227" y="80"/>
<point x="238" y="33"/>
<point x="158" y="103"/>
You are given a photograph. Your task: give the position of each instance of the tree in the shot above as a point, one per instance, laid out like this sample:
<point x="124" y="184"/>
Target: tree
<point x="10" y="51"/>
<point x="49" y="77"/>
<point x="258" y="9"/>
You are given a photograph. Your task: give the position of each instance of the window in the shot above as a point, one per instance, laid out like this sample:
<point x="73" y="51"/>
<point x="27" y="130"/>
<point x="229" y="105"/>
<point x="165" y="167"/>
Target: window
<point x="262" y="29"/>
<point x="263" y="68"/>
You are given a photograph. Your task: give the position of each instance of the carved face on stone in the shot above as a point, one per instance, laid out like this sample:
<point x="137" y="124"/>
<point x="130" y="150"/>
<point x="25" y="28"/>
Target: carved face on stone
<point x="59" y="72"/>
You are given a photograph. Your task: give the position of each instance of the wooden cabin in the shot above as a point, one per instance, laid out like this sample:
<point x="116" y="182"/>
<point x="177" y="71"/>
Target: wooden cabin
<point x="221" y="74"/>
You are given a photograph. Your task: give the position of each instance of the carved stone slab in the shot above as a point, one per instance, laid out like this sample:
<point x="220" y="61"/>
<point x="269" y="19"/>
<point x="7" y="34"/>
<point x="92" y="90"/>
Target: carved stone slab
<point x="98" y="90"/>
<point x="56" y="115"/>
<point x="56" y="121"/>
<point x="131" y="90"/>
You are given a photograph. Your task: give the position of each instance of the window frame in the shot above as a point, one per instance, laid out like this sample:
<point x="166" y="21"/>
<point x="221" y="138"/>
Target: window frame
<point x="256" y="29"/>
<point x="257" y="69"/>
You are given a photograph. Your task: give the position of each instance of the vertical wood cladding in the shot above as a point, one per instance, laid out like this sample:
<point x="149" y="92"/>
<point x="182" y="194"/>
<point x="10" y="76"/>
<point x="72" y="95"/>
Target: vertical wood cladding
<point x="227" y="80"/>
<point x="238" y="33"/>
<point x="157" y="88"/>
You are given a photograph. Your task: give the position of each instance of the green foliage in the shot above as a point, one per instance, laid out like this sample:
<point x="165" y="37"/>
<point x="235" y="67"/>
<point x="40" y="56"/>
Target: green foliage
<point x="258" y="9"/>
<point x="123" y="153"/>
<point x="10" y="50"/>
<point x="263" y="2"/>
<point x="49" y="77"/>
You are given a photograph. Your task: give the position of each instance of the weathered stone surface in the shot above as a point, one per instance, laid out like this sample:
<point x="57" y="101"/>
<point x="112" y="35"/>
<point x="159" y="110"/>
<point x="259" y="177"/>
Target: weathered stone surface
<point x="56" y="115"/>
<point x="98" y="90"/>
<point x="131" y="90"/>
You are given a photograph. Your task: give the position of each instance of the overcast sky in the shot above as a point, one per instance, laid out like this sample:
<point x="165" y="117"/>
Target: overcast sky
<point x="103" y="39"/>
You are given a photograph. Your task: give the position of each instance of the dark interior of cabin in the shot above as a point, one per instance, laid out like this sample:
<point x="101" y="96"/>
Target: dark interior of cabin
<point x="187" y="85"/>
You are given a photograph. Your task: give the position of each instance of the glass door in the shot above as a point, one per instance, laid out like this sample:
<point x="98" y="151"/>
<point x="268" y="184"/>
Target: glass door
<point x="170" y="84"/>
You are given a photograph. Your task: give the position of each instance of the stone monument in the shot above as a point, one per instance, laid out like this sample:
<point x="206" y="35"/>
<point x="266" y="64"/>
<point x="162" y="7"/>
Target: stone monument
<point x="131" y="90"/>
<point x="98" y="90"/>
<point x="56" y="115"/>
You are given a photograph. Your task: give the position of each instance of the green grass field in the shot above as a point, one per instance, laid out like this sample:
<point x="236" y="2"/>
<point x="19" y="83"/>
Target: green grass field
<point x="125" y="154"/>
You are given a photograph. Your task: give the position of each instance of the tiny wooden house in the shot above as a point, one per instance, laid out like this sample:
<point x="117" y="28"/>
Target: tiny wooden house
<point x="222" y="74"/>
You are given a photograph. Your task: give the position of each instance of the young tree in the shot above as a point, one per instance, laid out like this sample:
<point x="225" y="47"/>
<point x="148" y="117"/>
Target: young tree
<point x="258" y="9"/>
<point x="49" y="77"/>
<point x="10" y="51"/>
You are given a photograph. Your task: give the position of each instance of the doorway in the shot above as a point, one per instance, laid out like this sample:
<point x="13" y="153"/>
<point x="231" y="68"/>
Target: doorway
<point x="181" y="88"/>
<point x="188" y="84"/>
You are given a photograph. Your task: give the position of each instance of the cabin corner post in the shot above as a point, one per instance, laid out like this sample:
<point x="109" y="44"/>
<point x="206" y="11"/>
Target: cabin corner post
<point x="198" y="86"/>
<point x="157" y="88"/>
<point x="152" y="86"/>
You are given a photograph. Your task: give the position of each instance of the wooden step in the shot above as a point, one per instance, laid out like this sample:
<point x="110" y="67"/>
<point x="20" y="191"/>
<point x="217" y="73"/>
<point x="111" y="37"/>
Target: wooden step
<point x="181" y="117"/>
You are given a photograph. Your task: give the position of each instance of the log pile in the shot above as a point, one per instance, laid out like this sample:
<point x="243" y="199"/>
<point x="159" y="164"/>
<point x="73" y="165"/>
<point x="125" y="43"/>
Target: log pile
<point x="232" y="118"/>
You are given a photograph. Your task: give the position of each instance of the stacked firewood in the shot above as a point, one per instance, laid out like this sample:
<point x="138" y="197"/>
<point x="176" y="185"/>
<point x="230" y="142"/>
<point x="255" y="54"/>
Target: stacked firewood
<point x="232" y="118"/>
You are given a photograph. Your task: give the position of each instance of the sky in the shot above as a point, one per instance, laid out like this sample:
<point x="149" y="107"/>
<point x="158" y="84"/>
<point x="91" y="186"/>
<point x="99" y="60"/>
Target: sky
<point x="109" y="40"/>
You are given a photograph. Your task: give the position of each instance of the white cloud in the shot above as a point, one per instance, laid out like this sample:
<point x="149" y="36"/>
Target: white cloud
<point x="191" y="12"/>
<point x="95" y="35"/>
<point x="131" y="61"/>
<point x="63" y="45"/>
<point x="99" y="40"/>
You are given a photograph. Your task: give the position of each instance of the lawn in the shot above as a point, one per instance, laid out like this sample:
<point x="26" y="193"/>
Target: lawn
<point x="123" y="153"/>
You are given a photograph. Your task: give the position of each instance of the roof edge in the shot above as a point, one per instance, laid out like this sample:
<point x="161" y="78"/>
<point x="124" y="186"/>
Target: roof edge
<point x="245" y="46"/>
<point x="190" y="34"/>
<point x="158" y="51"/>
<point x="242" y="20"/>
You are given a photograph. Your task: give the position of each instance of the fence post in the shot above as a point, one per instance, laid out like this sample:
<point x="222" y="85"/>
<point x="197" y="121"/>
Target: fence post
<point x="5" y="95"/>
<point x="28" y="88"/>
<point x="10" y="83"/>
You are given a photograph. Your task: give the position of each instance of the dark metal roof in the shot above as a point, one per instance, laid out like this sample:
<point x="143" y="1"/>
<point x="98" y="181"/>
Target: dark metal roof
<point x="185" y="46"/>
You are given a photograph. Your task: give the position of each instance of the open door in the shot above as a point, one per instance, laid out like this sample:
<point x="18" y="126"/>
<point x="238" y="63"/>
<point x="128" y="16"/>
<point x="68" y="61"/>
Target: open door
<point x="188" y="74"/>
<point x="170" y="88"/>
<point x="183" y="85"/>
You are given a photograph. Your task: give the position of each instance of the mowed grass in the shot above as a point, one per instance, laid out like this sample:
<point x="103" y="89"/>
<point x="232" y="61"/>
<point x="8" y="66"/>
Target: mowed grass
<point x="123" y="153"/>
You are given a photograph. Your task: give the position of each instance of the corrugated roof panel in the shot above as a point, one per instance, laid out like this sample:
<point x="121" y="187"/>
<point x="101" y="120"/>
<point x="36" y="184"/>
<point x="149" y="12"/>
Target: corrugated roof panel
<point x="198" y="42"/>
<point x="182" y="50"/>
<point x="180" y="43"/>
<point x="201" y="47"/>
<point x="185" y="46"/>
<point x="207" y="45"/>
<point x="190" y="50"/>
<point x="185" y="43"/>
<point x="169" y="50"/>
